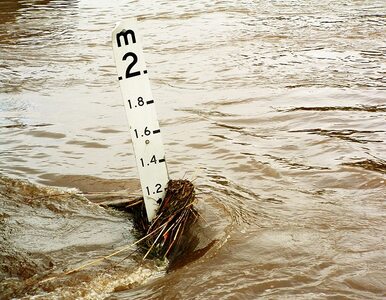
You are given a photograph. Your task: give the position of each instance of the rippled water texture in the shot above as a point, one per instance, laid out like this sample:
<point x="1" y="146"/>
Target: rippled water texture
<point x="276" y="110"/>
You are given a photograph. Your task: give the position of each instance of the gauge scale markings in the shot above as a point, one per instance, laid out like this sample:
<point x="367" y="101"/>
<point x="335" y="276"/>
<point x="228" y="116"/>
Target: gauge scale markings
<point x="141" y="114"/>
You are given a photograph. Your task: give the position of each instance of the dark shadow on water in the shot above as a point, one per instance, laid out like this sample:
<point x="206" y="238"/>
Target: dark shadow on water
<point x="14" y="17"/>
<point x="369" y="164"/>
<point x="365" y="108"/>
<point x="9" y="10"/>
<point x="356" y="136"/>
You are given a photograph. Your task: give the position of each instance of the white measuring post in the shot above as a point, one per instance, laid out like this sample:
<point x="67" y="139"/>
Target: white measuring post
<point x="141" y="114"/>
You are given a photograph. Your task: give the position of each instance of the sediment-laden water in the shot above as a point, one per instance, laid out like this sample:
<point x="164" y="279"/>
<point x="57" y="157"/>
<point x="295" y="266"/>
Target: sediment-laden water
<point x="275" y="109"/>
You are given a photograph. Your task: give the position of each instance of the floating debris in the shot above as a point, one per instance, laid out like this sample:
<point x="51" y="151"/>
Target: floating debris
<point x="176" y="214"/>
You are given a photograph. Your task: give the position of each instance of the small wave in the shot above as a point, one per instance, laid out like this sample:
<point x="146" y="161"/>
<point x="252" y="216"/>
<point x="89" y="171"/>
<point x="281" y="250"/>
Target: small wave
<point x="365" y="108"/>
<point x="46" y="231"/>
<point x="378" y="165"/>
<point x="356" y="136"/>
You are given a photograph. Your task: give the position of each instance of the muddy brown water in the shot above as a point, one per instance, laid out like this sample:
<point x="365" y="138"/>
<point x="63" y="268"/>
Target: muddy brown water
<point x="276" y="110"/>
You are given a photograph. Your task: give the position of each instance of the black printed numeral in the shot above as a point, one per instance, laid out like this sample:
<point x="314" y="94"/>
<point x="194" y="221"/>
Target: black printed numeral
<point x="157" y="189"/>
<point x="131" y="65"/>
<point x="140" y="102"/>
<point x="153" y="160"/>
<point x="146" y="132"/>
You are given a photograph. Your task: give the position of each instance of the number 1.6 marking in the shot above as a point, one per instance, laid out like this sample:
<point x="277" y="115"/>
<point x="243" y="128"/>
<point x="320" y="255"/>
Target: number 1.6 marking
<point x="145" y="132"/>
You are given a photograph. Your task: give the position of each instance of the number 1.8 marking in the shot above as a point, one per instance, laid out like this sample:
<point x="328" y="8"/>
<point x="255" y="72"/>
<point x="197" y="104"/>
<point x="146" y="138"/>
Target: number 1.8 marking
<point x="140" y="102"/>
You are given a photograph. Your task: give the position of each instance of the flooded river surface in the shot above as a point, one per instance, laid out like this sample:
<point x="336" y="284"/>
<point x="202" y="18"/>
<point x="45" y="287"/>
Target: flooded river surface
<point x="275" y="109"/>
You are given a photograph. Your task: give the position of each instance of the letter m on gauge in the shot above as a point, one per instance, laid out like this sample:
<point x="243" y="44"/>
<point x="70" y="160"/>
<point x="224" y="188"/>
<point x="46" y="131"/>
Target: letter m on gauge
<point x="126" y="34"/>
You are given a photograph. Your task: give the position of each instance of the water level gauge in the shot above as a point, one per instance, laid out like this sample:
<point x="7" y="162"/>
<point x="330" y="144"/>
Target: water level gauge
<point x="141" y="114"/>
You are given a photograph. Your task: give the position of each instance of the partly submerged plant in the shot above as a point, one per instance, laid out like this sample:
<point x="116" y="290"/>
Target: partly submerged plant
<point x="176" y="214"/>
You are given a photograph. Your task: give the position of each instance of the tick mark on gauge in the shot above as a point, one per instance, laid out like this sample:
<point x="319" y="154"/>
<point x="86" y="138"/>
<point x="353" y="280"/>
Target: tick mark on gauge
<point x="162" y="160"/>
<point x="159" y="200"/>
<point x="156" y="131"/>
<point x="120" y="78"/>
<point x="144" y="71"/>
<point x="150" y="102"/>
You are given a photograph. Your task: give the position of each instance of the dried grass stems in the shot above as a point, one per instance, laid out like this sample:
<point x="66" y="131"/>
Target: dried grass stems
<point x="174" y="217"/>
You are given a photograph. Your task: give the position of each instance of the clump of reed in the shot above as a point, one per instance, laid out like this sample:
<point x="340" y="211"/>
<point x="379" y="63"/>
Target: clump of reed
<point x="164" y="236"/>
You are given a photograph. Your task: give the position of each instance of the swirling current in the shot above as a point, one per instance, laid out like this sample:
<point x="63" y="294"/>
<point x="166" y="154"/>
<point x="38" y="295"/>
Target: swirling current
<point x="274" y="109"/>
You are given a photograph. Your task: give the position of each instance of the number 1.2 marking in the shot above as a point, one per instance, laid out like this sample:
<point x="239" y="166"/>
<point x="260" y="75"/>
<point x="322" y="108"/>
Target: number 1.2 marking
<point x="158" y="189"/>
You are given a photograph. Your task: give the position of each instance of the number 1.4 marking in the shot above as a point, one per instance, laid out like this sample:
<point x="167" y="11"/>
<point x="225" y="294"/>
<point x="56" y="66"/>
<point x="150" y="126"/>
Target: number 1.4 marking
<point x="153" y="160"/>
